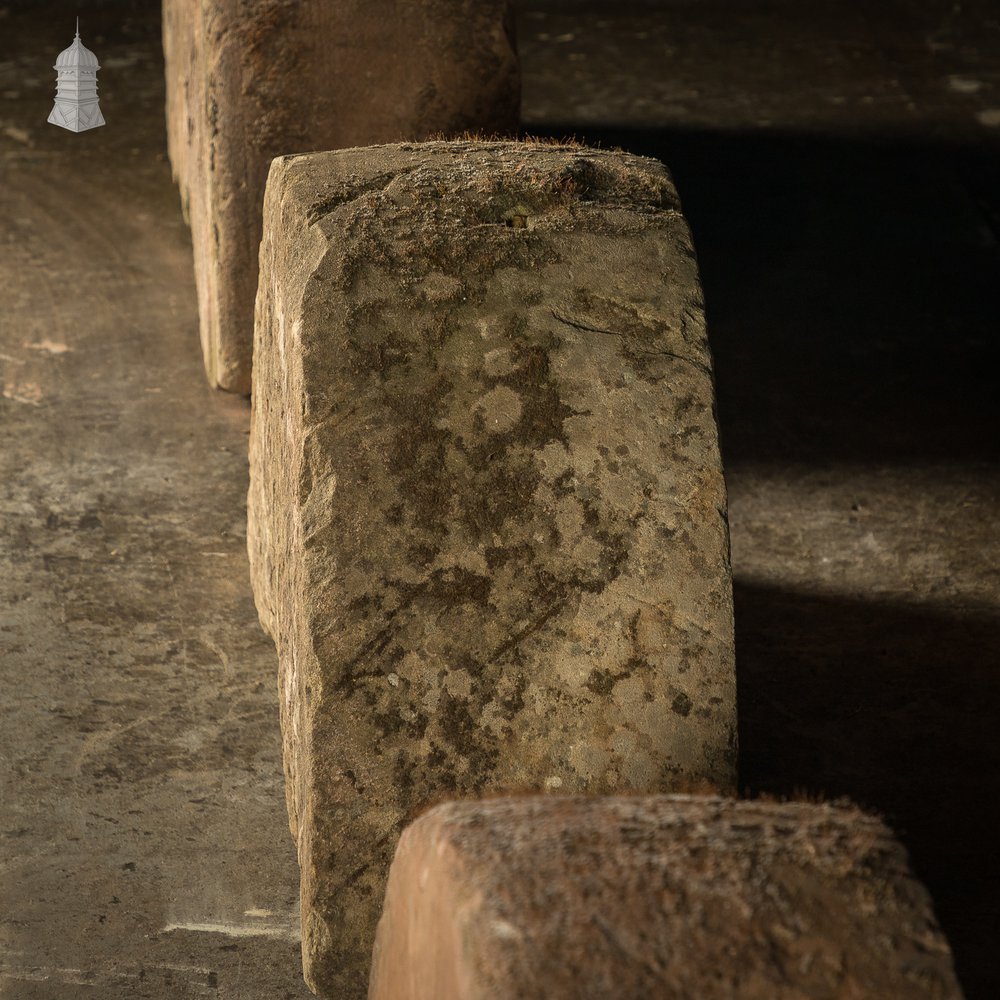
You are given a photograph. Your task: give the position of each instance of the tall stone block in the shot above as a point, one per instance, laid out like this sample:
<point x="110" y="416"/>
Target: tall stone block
<point x="673" y="898"/>
<point x="249" y="81"/>
<point x="487" y="518"/>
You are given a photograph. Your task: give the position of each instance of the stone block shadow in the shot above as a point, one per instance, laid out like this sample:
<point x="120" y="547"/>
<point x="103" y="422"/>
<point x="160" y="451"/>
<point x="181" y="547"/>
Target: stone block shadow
<point x="851" y="285"/>
<point x="896" y="707"/>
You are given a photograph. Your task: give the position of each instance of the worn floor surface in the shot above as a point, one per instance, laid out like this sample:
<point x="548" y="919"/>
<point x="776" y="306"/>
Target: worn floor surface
<point x="838" y="164"/>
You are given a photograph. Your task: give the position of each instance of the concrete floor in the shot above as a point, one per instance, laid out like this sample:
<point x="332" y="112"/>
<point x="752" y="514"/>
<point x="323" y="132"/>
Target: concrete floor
<point x="145" y="850"/>
<point x="838" y="164"/>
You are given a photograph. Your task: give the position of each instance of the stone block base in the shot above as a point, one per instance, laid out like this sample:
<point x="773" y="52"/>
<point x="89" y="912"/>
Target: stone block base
<point x="666" y="897"/>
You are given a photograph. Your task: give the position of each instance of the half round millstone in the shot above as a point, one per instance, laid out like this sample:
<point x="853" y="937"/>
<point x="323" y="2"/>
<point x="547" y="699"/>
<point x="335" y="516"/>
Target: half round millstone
<point x="487" y="516"/>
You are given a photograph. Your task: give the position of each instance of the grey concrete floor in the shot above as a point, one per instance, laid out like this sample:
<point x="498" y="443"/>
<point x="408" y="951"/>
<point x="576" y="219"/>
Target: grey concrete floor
<point x="143" y="841"/>
<point x="838" y="164"/>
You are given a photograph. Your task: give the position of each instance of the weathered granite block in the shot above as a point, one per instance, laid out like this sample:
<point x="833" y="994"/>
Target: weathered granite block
<point x="181" y="19"/>
<point x="487" y="518"/>
<point x="667" y="897"/>
<point x="249" y="81"/>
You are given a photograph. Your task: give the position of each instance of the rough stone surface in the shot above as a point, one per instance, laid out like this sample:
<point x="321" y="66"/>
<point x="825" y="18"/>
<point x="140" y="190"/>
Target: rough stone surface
<point x="487" y="519"/>
<point x="668" y="896"/>
<point x="181" y="26"/>
<point x="249" y="81"/>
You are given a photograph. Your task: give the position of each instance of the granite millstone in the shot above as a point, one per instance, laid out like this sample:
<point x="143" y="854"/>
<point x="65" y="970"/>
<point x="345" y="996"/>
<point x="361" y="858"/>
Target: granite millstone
<point x="249" y="81"/>
<point x="666" y="897"/>
<point x="487" y="517"/>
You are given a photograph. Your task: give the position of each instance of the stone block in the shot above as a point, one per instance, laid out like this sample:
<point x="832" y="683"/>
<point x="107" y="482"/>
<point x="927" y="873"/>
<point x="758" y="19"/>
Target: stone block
<point x="181" y="21"/>
<point x="667" y="897"/>
<point x="487" y="517"/>
<point x="249" y="81"/>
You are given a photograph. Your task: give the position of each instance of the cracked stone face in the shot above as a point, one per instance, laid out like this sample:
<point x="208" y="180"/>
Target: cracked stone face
<point x="487" y="514"/>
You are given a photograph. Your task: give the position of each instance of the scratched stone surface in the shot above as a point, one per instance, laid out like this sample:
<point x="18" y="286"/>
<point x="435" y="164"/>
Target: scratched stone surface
<point x="249" y="81"/>
<point x="487" y="517"/>
<point x="664" y="896"/>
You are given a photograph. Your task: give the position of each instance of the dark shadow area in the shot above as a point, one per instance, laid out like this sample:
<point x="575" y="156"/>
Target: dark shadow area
<point x="852" y="289"/>
<point x="897" y="708"/>
<point x="853" y="296"/>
